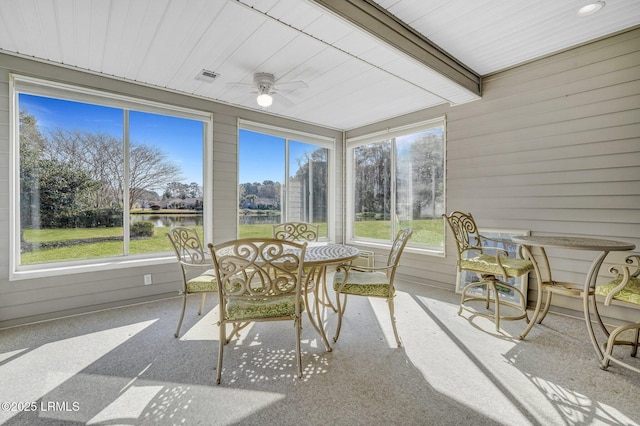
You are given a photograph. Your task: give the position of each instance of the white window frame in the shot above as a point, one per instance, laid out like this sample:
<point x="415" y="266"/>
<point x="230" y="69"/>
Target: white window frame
<point x="377" y="137"/>
<point x="39" y="87"/>
<point x="304" y="137"/>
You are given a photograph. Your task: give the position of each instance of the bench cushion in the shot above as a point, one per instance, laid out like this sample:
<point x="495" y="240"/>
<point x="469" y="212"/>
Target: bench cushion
<point x="363" y="283"/>
<point x="247" y="309"/>
<point x="487" y="264"/>
<point x="630" y="293"/>
<point x="202" y="283"/>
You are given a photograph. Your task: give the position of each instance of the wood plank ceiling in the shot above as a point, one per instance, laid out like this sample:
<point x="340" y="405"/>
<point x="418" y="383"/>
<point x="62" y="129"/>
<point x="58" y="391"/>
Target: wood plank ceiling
<point x="354" y="78"/>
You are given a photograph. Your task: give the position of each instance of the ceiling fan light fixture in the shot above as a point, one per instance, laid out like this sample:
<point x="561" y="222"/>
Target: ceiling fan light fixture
<point x="591" y="8"/>
<point x="264" y="98"/>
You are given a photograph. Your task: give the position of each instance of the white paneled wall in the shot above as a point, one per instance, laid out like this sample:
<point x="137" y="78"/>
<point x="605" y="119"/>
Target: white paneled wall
<point x="553" y="147"/>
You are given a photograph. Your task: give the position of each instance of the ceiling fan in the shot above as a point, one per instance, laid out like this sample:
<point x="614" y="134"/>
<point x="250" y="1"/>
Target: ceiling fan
<point x="265" y="85"/>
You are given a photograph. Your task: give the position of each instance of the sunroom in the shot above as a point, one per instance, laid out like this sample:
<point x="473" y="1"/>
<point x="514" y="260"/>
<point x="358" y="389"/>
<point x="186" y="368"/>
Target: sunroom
<point x="531" y="113"/>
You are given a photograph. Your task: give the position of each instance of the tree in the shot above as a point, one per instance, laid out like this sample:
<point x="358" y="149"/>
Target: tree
<point x="176" y="190"/>
<point x="149" y="169"/>
<point x="60" y="190"/>
<point x="102" y="156"/>
<point x="31" y="144"/>
<point x="51" y="191"/>
<point x="372" y="185"/>
<point x="269" y="189"/>
<point x="427" y="174"/>
<point x="312" y="173"/>
<point x="195" y="191"/>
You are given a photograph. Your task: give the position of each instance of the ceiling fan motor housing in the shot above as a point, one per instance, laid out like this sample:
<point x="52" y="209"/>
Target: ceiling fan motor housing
<point x="263" y="80"/>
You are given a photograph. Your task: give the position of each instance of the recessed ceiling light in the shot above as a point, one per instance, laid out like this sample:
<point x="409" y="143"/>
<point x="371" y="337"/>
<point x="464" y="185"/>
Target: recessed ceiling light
<point x="590" y="8"/>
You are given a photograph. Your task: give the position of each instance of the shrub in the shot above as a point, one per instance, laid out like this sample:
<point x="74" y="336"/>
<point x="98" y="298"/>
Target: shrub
<point x="93" y="218"/>
<point x="141" y="229"/>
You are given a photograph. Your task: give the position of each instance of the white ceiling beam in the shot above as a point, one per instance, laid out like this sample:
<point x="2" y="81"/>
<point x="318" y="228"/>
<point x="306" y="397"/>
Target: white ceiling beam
<point x="381" y="24"/>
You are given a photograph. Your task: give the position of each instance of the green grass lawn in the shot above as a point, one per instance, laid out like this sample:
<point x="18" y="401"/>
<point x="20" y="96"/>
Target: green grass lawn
<point x="429" y="232"/>
<point x="158" y="243"/>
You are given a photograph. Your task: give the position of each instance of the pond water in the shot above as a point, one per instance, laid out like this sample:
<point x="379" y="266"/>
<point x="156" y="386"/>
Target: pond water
<point x="259" y="220"/>
<point x="169" y="220"/>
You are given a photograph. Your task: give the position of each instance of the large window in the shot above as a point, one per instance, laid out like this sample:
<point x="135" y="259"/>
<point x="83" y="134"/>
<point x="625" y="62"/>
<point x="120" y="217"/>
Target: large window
<point x="284" y="177"/>
<point x="98" y="176"/>
<point x="396" y="180"/>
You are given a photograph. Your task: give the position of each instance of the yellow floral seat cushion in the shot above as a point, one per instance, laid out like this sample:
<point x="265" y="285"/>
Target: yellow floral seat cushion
<point x="363" y="283"/>
<point x="246" y="309"/>
<point x="630" y="293"/>
<point x="202" y="283"/>
<point x="487" y="264"/>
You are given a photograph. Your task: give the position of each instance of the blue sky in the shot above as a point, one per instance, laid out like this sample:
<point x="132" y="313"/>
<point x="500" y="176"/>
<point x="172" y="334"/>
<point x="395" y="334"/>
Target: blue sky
<point x="179" y="139"/>
<point x="261" y="156"/>
<point x="258" y="164"/>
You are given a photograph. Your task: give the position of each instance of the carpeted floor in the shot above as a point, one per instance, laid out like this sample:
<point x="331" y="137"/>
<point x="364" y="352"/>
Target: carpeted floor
<point x="124" y="366"/>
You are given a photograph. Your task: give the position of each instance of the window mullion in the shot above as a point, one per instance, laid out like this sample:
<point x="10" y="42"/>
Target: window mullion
<point x="127" y="180"/>
<point x="309" y="194"/>
<point x="284" y="192"/>
<point x="393" y="189"/>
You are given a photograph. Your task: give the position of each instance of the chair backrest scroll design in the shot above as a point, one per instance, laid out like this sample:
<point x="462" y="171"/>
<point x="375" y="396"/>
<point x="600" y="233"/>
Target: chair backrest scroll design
<point x="187" y="245"/>
<point x="259" y="268"/>
<point x="464" y="231"/>
<point x="296" y="231"/>
<point x="396" y="250"/>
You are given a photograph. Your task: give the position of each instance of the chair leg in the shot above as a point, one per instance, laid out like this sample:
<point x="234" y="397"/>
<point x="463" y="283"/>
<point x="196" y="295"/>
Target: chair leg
<point x="204" y="295"/>
<point x="341" y="308"/>
<point x="184" y="306"/>
<point x="488" y="298"/>
<point x="462" y="300"/>
<point x="223" y="338"/>
<point x="235" y="331"/>
<point x="492" y="295"/>
<point x="298" y="326"/>
<point x="613" y="341"/>
<point x="393" y="319"/>
<point x="496" y="301"/>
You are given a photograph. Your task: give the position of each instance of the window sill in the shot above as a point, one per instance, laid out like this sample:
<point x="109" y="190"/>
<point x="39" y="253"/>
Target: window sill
<point x="95" y="265"/>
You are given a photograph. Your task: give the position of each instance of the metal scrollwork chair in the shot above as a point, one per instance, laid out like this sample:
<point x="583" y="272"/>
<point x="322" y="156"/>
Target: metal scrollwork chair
<point x="371" y="281"/>
<point x="624" y="288"/>
<point x="296" y="231"/>
<point x="198" y="276"/>
<point x="260" y="279"/>
<point x="299" y="232"/>
<point x="492" y="269"/>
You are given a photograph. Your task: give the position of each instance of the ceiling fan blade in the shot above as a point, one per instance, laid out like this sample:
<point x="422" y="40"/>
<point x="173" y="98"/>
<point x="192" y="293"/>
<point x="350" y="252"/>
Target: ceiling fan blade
<point x="238" y="84"/>
<point x="291" y="85"/>
<point x="281" y="99"/>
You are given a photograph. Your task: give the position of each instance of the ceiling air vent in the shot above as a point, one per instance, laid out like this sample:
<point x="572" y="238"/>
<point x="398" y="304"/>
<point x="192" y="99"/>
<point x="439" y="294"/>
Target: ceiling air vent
<point x="207" y="76"/>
